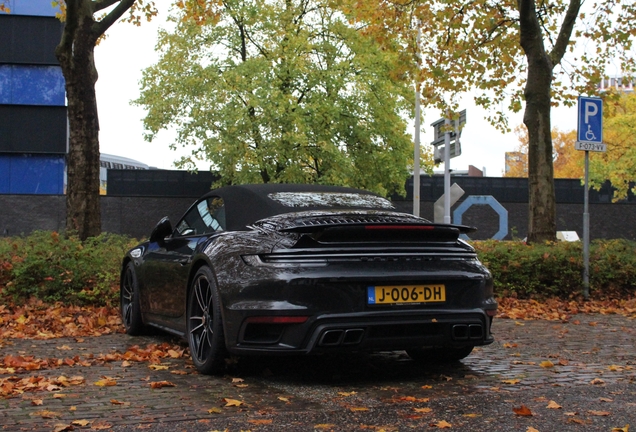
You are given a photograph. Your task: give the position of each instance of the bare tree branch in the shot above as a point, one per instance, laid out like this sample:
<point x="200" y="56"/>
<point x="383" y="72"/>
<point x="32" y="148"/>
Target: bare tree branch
<point x="99" y="28"/>
<point x="565" y="33"/>
<point x="103" y="4"/>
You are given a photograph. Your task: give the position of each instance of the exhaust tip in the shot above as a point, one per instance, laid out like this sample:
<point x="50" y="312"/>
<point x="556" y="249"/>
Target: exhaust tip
<point x="353" y="336"/>
<point x="460" y="332"/>
<point x="331" y="338"/>
<point x="338" y="337"/>
<point x="476" y="331"/>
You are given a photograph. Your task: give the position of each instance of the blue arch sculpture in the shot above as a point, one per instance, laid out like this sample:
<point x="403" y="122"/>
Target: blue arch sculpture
<point x="483" y="200"/>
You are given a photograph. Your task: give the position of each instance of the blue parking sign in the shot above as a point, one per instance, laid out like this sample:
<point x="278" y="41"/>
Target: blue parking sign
<point x="590" y="125"/>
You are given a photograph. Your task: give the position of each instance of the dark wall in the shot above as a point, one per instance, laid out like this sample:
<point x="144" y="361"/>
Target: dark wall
<point x="503" y="189"/>
<point x="29" y="39"/>
<point x="136" y="216"/>
<point x="154" y="182"/>
<point x="138" y="199"/>
<point x="32" y="129"/>
<point x="25" y="213"/>
<point x="606" y="220"/>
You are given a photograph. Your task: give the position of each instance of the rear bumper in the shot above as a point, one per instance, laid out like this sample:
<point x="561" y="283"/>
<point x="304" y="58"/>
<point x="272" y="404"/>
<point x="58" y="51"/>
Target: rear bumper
<point x="367" y="331"/>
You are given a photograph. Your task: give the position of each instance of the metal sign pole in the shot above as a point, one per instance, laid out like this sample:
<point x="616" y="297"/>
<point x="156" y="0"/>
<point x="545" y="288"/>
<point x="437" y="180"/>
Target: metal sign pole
<point x="443" y="134"/>
<point x="416" y="136"/>
<point x="447" y="197"/>
<point x="416" y="155"/>
<point x="586" y="231"/>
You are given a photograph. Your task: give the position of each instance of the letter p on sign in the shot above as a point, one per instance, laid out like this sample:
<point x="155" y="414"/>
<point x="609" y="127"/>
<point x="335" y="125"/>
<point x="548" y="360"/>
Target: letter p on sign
<point x="590" y="111"/>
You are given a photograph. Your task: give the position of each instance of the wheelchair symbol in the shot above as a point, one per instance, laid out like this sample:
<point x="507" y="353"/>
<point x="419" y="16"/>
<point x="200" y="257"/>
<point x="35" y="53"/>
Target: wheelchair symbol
<point x="589" y="135"/>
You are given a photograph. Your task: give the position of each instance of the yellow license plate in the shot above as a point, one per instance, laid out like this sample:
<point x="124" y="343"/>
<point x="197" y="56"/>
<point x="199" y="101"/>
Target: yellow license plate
<point x="399" y="294"/>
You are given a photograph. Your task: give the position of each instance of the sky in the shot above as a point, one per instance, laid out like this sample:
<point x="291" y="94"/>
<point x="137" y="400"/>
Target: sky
<point x="128" y="50"/>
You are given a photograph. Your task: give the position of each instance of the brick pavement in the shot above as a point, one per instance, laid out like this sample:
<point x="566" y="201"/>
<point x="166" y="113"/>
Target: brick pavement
<point x="590" y="350"/>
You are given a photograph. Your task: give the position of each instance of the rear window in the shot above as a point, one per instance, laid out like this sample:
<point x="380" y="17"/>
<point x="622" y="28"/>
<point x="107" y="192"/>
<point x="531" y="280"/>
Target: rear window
<point x="330" y="199"/>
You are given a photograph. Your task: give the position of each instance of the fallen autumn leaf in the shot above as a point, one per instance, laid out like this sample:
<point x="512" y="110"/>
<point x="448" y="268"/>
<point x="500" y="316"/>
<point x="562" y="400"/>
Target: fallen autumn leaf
<point x="423" y="410"/>
<point x="232" y="402"/>
<point x="599" y="413"/>
<point x="522" y="411"/>
<point x="261" y="421"/>
<point x="161" y="384"/>
<point x="106" y="382"/>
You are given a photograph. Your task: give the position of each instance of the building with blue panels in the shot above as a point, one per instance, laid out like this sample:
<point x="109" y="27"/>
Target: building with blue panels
<point x="33" y="113"/>
<point x="31" y="7"/>
<point x="31" y="85"/>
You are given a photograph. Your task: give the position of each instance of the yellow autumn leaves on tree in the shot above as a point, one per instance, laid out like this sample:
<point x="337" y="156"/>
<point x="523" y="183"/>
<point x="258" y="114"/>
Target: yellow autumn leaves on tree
<point x="617" y="164"/>
<point x="568" y="162"/>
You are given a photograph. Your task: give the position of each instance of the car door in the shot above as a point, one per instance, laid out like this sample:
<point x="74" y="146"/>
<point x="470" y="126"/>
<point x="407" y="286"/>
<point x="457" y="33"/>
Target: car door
<point x="168" y="262"/>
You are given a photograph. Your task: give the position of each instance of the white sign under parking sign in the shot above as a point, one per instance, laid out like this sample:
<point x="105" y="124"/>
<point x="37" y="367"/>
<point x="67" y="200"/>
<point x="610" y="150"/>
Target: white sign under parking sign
<point x="590" y="146"/>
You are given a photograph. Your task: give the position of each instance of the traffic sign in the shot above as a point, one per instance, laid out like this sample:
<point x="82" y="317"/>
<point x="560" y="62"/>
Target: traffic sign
<point x="590" y="125"/>
<point x="589" y="138"/>
<point x="455" y="150"/>
<point x="439" y="130"/>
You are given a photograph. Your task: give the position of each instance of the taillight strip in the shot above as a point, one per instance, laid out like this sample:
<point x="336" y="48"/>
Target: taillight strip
<point x="399" y="227"/>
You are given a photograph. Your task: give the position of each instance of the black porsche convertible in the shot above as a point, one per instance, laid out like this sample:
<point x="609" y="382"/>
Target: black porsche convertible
<point x="304" y="269"/>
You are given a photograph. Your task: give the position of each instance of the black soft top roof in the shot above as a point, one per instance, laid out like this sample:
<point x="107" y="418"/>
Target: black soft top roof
<point x="245" y="204"/>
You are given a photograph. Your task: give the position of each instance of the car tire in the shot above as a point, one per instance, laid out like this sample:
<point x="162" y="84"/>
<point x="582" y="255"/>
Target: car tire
<point x="204" y="324"/>
<point x="129" y="302"/>
<point x="439" y="354"/>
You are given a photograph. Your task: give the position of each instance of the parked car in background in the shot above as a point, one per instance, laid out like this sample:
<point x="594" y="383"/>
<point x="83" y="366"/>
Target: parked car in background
<point x="307" y="269"/>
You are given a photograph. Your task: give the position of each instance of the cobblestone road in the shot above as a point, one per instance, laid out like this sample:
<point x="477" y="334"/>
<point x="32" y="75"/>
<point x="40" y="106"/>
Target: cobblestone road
<point x="586" y="366"/>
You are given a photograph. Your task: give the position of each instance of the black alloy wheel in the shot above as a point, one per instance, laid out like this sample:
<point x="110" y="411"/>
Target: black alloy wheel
<point x="129" y="302"/>
<point x="439" y="354"/>
<point x="205" y="328"/>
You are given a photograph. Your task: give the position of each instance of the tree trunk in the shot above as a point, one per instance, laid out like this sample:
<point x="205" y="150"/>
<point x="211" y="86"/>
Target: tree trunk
<point x="75" y="54"/>
<point x="541" y="204"/>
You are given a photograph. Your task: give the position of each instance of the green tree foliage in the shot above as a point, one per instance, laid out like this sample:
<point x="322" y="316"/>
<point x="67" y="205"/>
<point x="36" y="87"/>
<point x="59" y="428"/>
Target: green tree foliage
<point x="541" y="53"/>
<point x="281" y="91"/>
<point x="618" y="164"/>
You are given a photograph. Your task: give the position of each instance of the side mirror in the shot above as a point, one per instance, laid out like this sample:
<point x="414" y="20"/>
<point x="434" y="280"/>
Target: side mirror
<point x="162" y="230"/>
